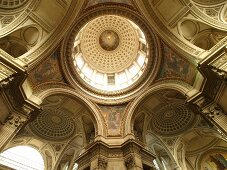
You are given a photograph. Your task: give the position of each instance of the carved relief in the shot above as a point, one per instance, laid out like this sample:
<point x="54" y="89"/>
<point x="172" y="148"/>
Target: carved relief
<point x="5" y="20"/>
<point x="102" y="163"/>
<point x="130" y="162"/>
<point x="213" y="110"/>
<point x="15" y="120"/>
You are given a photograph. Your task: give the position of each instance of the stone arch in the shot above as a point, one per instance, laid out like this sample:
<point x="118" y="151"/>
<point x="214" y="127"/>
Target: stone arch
<point x="48" y="90"/>
<point x="129" y="117"/>
<point x="159" y="143"/>
<point x="223" y="15"/>
<point x="22" y="40"/>
<point x="70" y="152"/>
<point x="212" y="155"/>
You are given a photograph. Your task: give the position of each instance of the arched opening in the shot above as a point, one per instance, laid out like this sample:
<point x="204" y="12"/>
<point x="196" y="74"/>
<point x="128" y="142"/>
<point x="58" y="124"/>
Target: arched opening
<point x="22" y="158"/>
<point x="165" y="113"/>
<point x="204" y="149"/>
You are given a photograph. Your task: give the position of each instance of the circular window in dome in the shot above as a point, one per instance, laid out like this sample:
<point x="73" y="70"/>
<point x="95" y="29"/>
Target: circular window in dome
<point x="110" y="53"/>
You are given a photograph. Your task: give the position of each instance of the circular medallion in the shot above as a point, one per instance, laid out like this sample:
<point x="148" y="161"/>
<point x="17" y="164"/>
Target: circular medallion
<point x="109" y="40"/>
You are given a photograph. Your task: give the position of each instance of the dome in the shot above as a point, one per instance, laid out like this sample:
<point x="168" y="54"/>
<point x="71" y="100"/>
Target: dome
<point x="53" y="124"/>
<point x="172" y="119"/>
<point x="110" y="53"/>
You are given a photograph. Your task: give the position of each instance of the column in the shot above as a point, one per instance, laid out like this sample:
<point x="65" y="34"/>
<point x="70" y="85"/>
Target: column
<point x="9" y="129"/>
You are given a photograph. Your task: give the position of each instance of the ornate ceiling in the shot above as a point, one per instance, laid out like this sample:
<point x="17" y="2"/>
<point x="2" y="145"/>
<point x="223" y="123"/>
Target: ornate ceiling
<point x="109" y="44"/>
<point x="113" y="70"/>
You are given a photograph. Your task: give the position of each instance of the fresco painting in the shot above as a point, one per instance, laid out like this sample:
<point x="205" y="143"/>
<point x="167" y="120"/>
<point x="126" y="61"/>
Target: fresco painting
<point x="113" y="115"/>
<point x="48" y="71"/>
<point x="176" y="67"/>
<point x="216" y="160"/>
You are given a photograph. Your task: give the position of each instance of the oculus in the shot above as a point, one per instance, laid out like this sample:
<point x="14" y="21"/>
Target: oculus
<point x="110" y="53"/>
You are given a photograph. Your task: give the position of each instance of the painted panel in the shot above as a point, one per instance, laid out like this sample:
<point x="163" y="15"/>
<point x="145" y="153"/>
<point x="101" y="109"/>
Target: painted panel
<point x="113" y="115"/>
<point x="48" y="71"/>
<point x="176" y="67"/>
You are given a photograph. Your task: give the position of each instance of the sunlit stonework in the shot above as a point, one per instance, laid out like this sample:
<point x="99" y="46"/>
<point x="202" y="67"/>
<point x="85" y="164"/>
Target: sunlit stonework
<point x="110" y="53"/>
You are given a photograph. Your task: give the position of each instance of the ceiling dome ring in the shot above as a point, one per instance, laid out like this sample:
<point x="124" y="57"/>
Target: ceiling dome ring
<point x="119" y="96"/>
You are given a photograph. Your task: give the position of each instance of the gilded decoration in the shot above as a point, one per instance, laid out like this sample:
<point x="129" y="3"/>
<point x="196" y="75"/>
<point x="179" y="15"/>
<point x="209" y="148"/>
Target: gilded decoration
<point x="176" y="67"/>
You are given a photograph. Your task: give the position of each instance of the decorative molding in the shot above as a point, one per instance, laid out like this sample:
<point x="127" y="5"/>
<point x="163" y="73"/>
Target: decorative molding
<point x="41" y="22"/>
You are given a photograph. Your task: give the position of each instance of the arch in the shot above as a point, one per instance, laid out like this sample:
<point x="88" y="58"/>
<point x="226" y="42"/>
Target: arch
<point x="73" y="148"/>
<point x="53" y="89"/>
<point x="216" y="156"/>
<point x="161" y="144"/>
<point x="22" y="157"/>
<point x="164" y="85"/>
